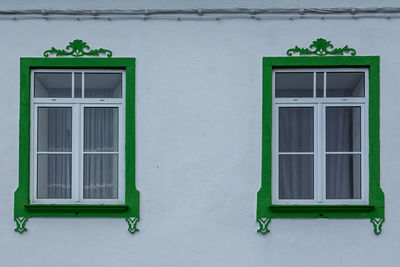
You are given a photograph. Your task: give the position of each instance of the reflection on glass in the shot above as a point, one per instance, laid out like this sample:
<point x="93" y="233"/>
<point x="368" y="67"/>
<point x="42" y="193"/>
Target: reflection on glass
<point x="100" y="176"/>
<point x="78" y="84"/>
<point x="54" y="176"/>
<point x="343" y="129"/>
<point x="345" y="84"/>
<point x="294" y="84"/>
<point x="53" y="84"/>
<point x="103" y="85"/>
<point x="54" y="127"/>
<point x="296" y="129"/>
<point x="296" y="176"/>
<point x="320" y="84"/>
<point x="343" y="176"/>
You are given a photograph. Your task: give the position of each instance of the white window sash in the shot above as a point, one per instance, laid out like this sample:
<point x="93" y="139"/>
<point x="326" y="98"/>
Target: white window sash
<point x="319" y="104"/>
<point x="77" y="105"/>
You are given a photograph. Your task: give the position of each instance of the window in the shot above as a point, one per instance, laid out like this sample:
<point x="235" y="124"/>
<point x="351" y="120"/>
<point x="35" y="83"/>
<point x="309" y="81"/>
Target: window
<point x="319" y="121"/>
<point x="77" y="140"/>
<point x="320" y="139"/>
<point x="77" y="136"/>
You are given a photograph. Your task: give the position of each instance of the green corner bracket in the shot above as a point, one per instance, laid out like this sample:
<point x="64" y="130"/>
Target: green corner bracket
<point x="377" y="222"/>
<point x="264" y="222"/>
<point x="132" y="221"/>
<point x="321" y="47"/>
<point x="21" y="221"/>
<point x="77" y="48"/>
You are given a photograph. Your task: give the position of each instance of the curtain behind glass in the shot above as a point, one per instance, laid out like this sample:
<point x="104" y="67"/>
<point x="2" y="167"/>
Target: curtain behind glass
<point x="100" y="176"/>
<point x="296" y="176"/>
<point x="343" y="176"/>
<point x="296" y="171"/>
<point x="343" y="170"/>
<point x="100" y="170"/>
<point x="54" y="134"/>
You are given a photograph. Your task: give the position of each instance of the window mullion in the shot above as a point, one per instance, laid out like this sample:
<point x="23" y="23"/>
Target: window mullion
<point x="323" y="150"/>
<point x="76" y="151"/>
<point x="81" y="145"/>
<point x="315" y="151"/>
<point x="320" y="153"/>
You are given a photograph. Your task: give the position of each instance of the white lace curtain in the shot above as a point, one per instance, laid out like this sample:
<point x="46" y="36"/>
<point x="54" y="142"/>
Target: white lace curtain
<point x="100" y="170"/>
<point x="100" y="159"/>
<point x="54" y="152"/>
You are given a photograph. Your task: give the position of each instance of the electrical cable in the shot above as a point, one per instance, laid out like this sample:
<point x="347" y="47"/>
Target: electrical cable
<point x="203" y="13"/>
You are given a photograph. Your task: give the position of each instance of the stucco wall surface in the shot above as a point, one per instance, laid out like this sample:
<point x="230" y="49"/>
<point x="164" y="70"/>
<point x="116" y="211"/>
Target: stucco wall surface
<point x="198" y="123"/>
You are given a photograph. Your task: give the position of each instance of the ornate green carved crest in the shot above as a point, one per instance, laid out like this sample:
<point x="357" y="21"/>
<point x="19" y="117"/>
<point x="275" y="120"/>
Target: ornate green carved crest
<point x="321" y="47"/>
<point x="77" y="48"/>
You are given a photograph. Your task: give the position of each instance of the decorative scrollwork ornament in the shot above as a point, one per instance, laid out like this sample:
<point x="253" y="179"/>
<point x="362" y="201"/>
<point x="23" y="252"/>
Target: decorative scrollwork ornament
<point x="321" y="47"/>
<point x="77" y="48"/>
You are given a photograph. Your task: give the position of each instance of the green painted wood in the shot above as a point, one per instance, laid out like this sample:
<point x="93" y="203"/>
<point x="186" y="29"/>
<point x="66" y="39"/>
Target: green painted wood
<point x="76" y="208"/>
<point x="77" y="48"/>
<point x="376" y="206"/>
<point x="321" y="208"/>
<point x="321" y="47"/>
<point x="23" y="209"/>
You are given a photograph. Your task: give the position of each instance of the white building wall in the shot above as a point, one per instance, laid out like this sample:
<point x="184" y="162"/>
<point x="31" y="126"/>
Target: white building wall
<point x="198" y="115"/>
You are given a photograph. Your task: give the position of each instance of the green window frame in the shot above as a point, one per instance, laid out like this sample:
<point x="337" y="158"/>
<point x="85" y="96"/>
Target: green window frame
<point x="375" y="210"/>
<point x="23" y="208"/>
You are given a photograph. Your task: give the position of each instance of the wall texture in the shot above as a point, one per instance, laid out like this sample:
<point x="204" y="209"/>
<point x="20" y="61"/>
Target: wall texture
<point x="198" y="104"/>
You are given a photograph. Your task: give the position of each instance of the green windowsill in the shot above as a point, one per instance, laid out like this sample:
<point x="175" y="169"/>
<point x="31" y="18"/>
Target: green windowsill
<point x="77" y="208"/>
<point x="320" y="208"/>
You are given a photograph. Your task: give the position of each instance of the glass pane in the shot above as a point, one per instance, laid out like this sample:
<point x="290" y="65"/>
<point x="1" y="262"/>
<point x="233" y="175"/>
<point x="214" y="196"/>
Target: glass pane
<point x="343" y="129"/>
<point x="78" y="84"/>
<point x="345" y="84"/>
<point x="54" y="127"/>
<point x="53" y="84"/>
<point x="101" y="129"/>
<point x="103" y="85"/>
<point x="343" y="176"/>
<point x="296" y="129"/>
<point x="296" y="176"/>
<point x="294" y="84"/>
<point x="320" y="84"/>
<point x="54" y="176"/>
<point x="100" y="176"/>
